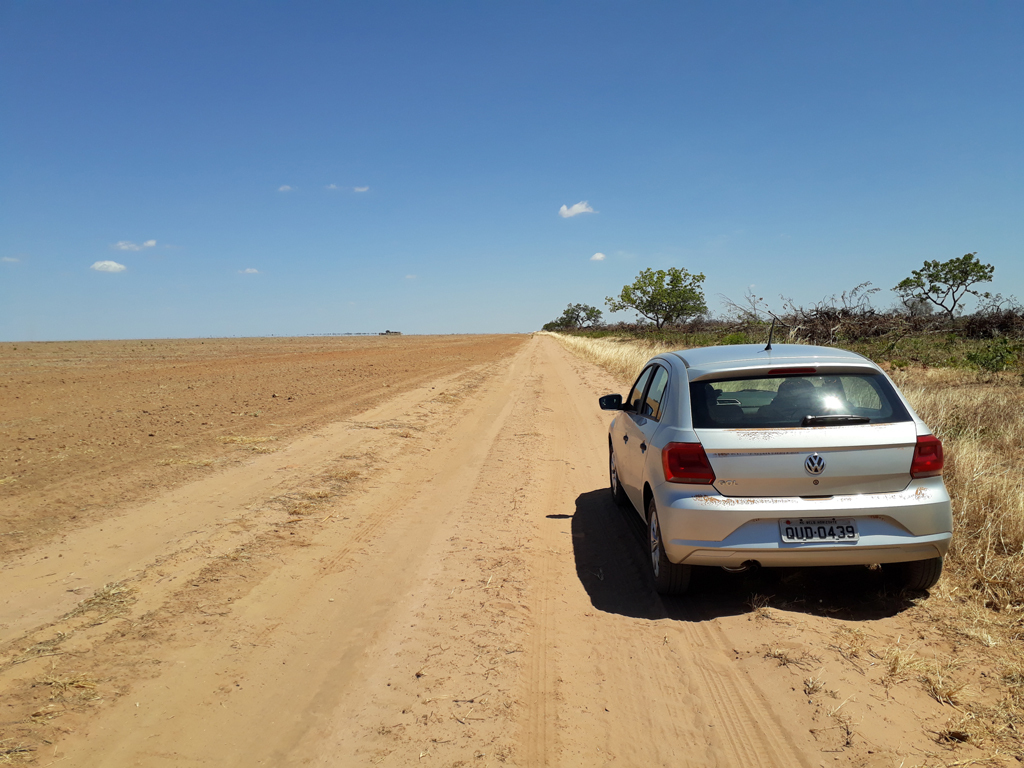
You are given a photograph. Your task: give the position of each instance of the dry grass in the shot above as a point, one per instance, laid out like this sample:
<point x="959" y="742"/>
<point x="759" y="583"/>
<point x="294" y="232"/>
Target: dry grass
<point x="759" y="607"/>
<point x="850" y="643"/>
<point x="254" y="444"/>
<point x="11" y="752"/>
<point x="72" y="687"/>
<point x="109" y="601"/>
<point x="787" y="657"/>
<point x="844" y="724"/>
<point x="899" y="662"/>
<point x="8" y="480"/>
<point x="341" y="476"/>
<point x="623" y="357"/>
<point x="813" y="685"/>
<point x="981" y="423"/>
<point x="185" y="462"/>
<point x="941" y="686"/>
<point x="49" y="647"/>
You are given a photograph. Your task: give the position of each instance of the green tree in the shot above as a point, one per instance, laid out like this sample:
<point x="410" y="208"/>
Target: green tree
<point x="576" y="316"/>
<point x="945" y="283"/>
<point x="662" y="296"/>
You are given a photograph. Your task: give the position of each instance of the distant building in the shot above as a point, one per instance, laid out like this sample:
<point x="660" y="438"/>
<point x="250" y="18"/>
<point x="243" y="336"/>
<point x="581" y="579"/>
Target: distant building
<point x="391" y="333"/>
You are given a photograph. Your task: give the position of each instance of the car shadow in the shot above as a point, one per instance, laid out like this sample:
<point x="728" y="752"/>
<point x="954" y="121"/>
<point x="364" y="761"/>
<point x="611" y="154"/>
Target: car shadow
<point x="610" y="543"/>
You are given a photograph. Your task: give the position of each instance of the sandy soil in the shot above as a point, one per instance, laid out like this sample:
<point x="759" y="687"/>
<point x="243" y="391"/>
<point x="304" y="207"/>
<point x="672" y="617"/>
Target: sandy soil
<point x="426" y="569"/>
<point x="88" y="426"/>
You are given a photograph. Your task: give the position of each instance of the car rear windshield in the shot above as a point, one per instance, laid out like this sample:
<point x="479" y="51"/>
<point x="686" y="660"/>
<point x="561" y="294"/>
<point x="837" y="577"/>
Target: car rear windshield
<point x="795" y="401"/>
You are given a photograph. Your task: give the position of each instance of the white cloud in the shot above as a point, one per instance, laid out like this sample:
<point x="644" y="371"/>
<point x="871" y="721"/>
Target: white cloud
<point x="128" y="245"/>
<point x="248" y="271"/>
<point x="410" y="277"/>
<point x="9" y="259"/>
<point x="284" y="188"/>
<point x="598" y="257"/>
<point x="581" y="207"/>
<point x="332" y="186"/>
<point x="360" y="189"/>
<point x="108" y="266"/>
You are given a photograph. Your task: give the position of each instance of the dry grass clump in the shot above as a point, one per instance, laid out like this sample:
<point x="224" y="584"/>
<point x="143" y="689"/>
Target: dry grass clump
<point x="622" y="357"/>
<point x="899" y="662"/>
<point x="813" y="685"/>
<point x="850" y="643"/>
<point x="342" y="476"/>
<point x="941" y="686"/>
<point x="787" y="657"/>
<point x="74" y="687"/>
<point x="11" y="752"/>
<point x="185" y="462"/>
<point x="109" y="601"/>
<point x="254" y="444"/>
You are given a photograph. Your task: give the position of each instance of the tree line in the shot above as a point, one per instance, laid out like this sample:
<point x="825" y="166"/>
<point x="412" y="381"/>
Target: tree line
<point x="674" y="296"/>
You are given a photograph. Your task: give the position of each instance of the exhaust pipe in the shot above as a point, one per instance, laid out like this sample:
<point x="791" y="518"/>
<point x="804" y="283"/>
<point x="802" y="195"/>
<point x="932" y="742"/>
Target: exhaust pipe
<point x="742" y="568"/>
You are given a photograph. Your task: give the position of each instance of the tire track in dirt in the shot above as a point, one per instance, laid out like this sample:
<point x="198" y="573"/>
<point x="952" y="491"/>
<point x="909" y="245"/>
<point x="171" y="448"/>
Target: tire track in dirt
<point x="757" y="736"/>
<point x="541" y="727"/>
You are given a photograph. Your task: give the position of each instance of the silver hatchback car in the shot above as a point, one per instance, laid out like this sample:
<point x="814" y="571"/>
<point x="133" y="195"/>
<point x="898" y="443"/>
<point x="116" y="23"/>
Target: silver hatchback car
<point x="738" y="456"/>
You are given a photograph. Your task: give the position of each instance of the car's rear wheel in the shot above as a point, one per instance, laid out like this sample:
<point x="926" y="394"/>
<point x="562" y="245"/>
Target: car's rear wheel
<point x="669" y="578"/>
<point x="618" y="494"/>
<point x="916" y="575"/>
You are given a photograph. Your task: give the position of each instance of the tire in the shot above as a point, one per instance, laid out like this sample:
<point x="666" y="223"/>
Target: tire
<point x="669" y="578"/>
<point x="917" y="575"/>
<point x="618" y="494"/>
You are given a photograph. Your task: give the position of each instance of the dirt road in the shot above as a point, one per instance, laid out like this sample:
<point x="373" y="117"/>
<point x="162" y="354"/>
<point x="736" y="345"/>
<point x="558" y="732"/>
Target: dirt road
<point x="440" y="579"/>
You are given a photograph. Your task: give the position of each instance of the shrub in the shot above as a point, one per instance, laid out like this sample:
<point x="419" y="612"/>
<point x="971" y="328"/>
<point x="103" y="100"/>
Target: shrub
<point x="997" y="355"/>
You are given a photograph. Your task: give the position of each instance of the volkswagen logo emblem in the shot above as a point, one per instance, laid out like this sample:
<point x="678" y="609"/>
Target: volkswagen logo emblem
<point x="814" y="464"/>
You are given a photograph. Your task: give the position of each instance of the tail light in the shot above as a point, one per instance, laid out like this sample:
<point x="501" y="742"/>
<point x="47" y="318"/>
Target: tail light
<point x="927" y="457"/>
<point x="687" y="463"/>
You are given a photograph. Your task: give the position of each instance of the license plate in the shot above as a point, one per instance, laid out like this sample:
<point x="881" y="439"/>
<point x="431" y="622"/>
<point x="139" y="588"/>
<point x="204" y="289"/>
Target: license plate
<point x="815" y="529"/>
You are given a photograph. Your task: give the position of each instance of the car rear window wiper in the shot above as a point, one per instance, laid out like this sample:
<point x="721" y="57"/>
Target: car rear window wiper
<point x="833" y="419"/>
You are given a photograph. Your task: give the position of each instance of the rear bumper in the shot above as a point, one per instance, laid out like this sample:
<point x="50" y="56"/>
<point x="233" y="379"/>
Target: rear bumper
<point x="881" y="550"/>
<point x="699" y="528"/>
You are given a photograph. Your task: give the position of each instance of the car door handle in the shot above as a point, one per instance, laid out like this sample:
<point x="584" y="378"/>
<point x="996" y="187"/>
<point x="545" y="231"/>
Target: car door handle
<point x="643" y="447"/>
<point x="625" y="438"/>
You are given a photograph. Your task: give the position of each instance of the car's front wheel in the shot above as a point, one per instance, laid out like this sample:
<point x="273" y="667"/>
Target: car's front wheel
<point x="618" y="494"/>
<point x="917" y="575"/>
<point x="669" y="578"/>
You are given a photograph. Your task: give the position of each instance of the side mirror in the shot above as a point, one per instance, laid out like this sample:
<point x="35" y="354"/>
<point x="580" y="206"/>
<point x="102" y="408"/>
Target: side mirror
<point x="611" y="403"/>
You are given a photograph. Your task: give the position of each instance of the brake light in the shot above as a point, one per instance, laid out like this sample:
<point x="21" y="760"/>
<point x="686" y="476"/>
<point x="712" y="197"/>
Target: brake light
<point x="927" y="457"/>
<point x="687" y="463"/>
<point x="792" y="370"/>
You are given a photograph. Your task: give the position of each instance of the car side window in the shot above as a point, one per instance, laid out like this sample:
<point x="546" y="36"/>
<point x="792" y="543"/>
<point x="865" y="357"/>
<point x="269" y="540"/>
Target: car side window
<point x="655" y="394"/>
<point x="636" y="394"/>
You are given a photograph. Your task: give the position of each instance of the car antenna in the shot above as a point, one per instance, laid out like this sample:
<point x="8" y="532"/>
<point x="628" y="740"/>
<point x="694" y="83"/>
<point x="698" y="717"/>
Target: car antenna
<point x="771" y="333"/>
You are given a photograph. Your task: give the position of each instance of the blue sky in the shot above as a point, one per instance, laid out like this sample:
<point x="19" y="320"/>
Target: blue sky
<point x="798" y="147"/>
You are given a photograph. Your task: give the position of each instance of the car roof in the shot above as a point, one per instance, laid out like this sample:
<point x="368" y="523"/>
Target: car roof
<point x="706" y="361"/>
<point x="779" y="353"/>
